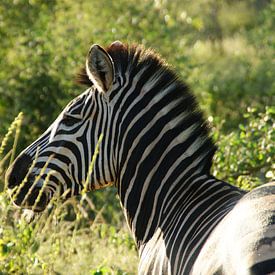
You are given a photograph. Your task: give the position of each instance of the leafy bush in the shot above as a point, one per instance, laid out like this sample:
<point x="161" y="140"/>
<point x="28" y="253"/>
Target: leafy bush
<point x="223" y="49"/>
<point x="246" y="158"/>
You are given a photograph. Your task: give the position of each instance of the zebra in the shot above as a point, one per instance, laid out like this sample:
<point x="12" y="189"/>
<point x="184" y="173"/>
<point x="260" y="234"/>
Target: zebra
<point x="155" y="147"/>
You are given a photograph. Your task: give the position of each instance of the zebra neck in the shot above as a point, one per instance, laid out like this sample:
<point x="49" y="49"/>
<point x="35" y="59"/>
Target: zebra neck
<point x="162" y="153"/>
<point x="182" y="199"/>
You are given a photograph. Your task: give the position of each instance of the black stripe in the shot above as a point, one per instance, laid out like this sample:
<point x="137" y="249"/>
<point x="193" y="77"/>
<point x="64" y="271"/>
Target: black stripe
<point x="84" y="143"/>
<point x="262" y="268"/>
<point x="122" y="109"/>
<point x="98" y="170"/>
<point x="58" y="169"/>
<point x="73" y="148"/>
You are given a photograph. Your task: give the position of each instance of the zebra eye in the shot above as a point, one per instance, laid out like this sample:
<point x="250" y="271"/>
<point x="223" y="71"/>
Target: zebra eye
<point x="70" y="120"/>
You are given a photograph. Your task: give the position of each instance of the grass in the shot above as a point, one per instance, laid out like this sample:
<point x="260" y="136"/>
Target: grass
<point x="62" y="238"/>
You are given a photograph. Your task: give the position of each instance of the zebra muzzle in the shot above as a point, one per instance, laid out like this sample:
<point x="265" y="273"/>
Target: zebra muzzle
<point x="36" y="200"/>
<point x="30" y="196"/>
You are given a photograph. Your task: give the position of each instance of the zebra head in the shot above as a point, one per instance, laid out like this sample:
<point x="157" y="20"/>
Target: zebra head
<point x="61" y="159"/>
<point x="136" y="114"/>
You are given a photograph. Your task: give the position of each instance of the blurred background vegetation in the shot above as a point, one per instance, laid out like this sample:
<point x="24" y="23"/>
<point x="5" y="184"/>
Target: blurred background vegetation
<point x="224" y="50"/>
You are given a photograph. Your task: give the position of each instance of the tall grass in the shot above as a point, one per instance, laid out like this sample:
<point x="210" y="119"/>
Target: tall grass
<point x="64" y="239"/>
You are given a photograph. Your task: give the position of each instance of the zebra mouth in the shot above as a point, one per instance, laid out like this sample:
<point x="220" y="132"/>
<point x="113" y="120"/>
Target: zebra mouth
<point x="35" y="199"/>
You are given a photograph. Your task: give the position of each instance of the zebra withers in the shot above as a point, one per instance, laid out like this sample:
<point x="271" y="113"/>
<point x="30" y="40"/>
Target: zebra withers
<point x="155" y="148"/>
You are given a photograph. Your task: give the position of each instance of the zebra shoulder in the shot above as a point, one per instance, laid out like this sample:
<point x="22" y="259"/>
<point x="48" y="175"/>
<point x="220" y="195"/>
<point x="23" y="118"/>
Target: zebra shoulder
<point x="244" y="241"/>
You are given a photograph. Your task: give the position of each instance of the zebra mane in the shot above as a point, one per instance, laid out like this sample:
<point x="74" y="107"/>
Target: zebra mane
<point x="135" y="57"/>
<point x="124" y="55"/>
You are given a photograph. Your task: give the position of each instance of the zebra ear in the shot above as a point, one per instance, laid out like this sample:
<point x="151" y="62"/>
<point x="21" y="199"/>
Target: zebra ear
<point x="100" y="68"/>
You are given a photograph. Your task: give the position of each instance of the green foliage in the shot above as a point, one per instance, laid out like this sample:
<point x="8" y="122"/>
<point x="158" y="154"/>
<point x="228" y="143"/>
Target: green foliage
<point x="50" y="243"/>
<point x="18" y="244"/>
<point x="246" y="158"/>
<point x="223" y="49"/>
<point x="106" y="271"/>
<point x="242" y="81"/>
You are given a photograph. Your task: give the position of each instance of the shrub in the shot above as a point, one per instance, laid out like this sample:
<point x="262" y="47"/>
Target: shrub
<point x="246" y="157"/>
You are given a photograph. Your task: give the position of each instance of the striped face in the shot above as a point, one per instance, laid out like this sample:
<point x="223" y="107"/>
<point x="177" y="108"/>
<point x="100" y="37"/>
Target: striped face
<point x="64" y="159"/>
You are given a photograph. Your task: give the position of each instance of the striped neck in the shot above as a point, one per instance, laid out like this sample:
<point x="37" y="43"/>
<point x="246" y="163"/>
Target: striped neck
<point x="160" y="142"/>
<point x="156" y="199"/>
<point x="165" y="186"/>
<point x="162" y="159"/>
<point x="162" y="153"/>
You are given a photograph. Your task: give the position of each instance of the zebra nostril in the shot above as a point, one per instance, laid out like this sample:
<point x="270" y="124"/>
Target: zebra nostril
<point x="10" y="178"/>
<point x="11" y="181"/>
<point x="17" y="172"/>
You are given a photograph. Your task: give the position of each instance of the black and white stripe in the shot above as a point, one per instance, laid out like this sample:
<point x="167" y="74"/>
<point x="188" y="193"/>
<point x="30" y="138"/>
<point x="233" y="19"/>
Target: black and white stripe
<point x="157" y="151"/>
